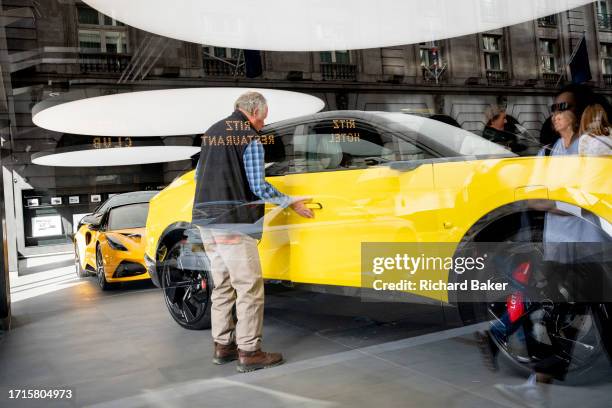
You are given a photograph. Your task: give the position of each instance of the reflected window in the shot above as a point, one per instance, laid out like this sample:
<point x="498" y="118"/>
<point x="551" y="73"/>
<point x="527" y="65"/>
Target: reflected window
<point x="335" y="57"/>
<point x="88" y="15"/>
<point x="337" y="65"/>
<point x="548" y="55"/>
<point x="221" y="61"/>
<point x="603" y="15"/>
<point x="221" y="52"/>
<point x="430" y="54"/>
<point x="90" y="41"/>
<point x="492" y="49"/>
<point x="99" y="33"/>
<point x="606" y="58"/>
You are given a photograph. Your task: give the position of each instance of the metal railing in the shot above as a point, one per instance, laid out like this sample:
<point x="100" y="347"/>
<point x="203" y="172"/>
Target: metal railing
<point x="548" y="21"/>
<point x="223" y="68"/>
<point x="497" y="78"/>
<point x="337" y="71"/>
<point x="432" y="76"/>
<point x="551" y="79"/>
<point x="103" y="62"/>
<point x="604" y="21"/>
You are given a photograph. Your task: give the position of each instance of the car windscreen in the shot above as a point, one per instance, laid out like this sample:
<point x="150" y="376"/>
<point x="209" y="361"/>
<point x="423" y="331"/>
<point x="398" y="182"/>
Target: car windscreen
<point x="128" y="216"/>
<point x="460" y="142"/>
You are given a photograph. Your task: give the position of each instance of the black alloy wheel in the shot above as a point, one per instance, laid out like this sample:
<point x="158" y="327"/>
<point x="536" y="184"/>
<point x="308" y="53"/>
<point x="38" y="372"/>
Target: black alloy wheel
<point x="186" y="292"/>
<point x="572" y="325"/>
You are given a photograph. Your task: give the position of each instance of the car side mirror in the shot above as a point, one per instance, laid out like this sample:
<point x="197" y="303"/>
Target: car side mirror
<point x="92" y="220"/>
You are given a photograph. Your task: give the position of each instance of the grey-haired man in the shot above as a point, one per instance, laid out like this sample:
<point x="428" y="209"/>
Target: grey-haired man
<point x="229" y="200"/>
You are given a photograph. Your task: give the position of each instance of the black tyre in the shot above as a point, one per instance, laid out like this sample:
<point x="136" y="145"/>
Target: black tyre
<point x="100" y="275"/>
<point x="80" y="272"/>
<point x="186" y="286"/>
<point x="554" y="319"/>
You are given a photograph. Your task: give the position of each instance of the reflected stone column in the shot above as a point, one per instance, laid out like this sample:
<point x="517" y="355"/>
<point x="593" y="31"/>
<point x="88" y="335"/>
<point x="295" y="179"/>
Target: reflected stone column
<point x="7" y="121"/>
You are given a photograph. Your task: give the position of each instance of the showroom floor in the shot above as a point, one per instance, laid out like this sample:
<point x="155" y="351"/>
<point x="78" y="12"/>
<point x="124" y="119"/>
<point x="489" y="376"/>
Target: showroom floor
<point x="122" y="349"/>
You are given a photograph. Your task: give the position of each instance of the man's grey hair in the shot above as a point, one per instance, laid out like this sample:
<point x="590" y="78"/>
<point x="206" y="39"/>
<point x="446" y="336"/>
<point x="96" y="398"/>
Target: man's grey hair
<point x="250" y="102"/>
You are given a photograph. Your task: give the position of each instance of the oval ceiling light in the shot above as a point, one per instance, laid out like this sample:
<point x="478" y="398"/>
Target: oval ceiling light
<point x="114" y="156"/>
<point x="316" y="25"/>
<point x="166" y="112"/>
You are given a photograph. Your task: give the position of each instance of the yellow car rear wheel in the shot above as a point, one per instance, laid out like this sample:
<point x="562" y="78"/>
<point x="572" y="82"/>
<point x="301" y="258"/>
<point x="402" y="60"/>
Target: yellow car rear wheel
<point x="80" y="272"/>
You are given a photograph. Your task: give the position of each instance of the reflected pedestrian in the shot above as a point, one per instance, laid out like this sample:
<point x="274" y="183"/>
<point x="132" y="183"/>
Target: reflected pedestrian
<point x="595" y="139"/>
<point x="573" y="97"/>
<point x="495" y="128"/>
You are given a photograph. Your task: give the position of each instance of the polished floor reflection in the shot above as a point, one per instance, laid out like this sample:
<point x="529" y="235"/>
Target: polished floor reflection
<point x="121" y="348"/>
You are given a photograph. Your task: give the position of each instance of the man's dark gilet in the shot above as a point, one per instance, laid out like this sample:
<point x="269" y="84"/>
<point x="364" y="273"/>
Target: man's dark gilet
<point x="223" y="195"/>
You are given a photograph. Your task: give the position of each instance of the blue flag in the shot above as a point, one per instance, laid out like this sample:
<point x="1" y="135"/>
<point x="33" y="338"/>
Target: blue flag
<point x="579" y="65"/>
<point x="252" y="60"/>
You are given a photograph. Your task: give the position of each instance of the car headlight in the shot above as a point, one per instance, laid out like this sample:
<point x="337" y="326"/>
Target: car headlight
<point x="116" y="245"/>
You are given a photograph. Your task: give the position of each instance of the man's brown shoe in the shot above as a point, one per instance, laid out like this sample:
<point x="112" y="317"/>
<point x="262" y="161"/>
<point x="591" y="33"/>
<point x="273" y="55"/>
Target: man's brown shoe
<point x="225" y="353"/>
<point x="255" y="360"/>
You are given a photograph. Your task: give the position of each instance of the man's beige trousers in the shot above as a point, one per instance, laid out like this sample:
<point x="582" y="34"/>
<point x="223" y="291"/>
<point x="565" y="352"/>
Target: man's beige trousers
<point x="236" y="273"/>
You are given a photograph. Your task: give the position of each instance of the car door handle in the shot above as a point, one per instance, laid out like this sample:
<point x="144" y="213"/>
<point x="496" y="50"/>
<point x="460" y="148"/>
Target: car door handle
<point x="314" y="206"/>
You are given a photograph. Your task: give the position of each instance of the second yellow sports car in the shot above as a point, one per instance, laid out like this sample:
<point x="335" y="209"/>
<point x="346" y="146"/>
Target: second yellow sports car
<point x="110" y="242"/>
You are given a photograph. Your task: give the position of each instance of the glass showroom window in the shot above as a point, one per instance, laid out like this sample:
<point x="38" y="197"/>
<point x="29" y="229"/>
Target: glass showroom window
<point x="548" y="56"/>
<point x="491" y="45"/>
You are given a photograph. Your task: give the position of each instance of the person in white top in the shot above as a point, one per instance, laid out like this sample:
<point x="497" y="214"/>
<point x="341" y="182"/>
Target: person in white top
<point x="595" y="139"/>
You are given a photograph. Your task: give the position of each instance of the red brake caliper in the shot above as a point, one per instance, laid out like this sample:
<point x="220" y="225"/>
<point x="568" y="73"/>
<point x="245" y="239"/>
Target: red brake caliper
<point x="515" y="302"/>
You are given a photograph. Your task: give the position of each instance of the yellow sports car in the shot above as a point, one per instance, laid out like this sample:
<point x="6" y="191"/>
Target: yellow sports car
<point x="110" y="242"/>
<point x="373" y="177"/>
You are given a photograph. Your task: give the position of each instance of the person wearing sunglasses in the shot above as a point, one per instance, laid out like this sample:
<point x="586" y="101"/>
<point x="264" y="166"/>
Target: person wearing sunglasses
<point x="574" y="98"/>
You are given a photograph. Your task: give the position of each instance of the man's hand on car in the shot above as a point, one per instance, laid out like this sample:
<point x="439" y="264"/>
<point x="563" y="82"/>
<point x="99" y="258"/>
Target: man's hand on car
<point x="299" y="207"/>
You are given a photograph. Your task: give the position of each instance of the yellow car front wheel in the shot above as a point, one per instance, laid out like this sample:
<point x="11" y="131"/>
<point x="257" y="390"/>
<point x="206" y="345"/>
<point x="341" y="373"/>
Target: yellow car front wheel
<point x="101" y="276"/>
<point x="186" y="291"/>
